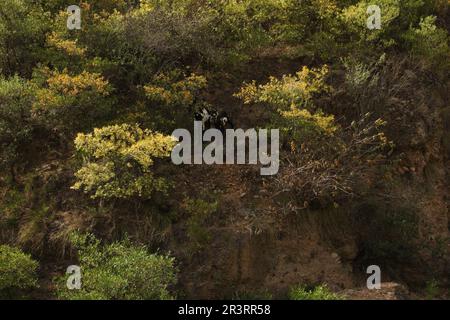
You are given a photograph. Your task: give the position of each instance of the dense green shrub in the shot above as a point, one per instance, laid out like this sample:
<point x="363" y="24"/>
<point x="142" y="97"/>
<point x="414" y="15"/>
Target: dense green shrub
<point x="355" y="18"/>
<point x="23" y="26"/>
<point x="17" y="271"/>
<point x="16" y="126"/>
<point x="119" y="271"/>
<point x="429" y="42"/>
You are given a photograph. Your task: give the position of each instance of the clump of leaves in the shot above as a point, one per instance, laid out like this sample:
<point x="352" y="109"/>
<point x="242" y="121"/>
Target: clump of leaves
<point x="16" y="126"/>
<point x="321" y="292"/>
<point x="118" y="160"/>
<point x="432" y="289"/>
<point x="170" y="91"/>
<point x="119" y="271"/>
<point x="289" y="91"/>
<point x="17" y="271"/>
<point x="23" y="25"/>
<point x="429" y="42"/>
<point x="68" y="103"/>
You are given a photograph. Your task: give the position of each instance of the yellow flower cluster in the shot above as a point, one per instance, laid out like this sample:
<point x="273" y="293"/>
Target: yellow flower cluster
<point x="117" y="161"/>
<point x="68" y="46"/>
<point x="62" y="90"/>
<point x="292" y="98"/>
<point x="64" y="83"/>
<point x="325" y="123"/>
<point x="290" y="90"/>
<point x="171" y="93"/>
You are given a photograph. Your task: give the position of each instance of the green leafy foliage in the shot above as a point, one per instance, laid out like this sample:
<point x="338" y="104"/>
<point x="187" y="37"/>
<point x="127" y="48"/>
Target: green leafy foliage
<point x="17" y="271"/>
<point x="16" y="126"/>
<point x="429" y="42"/>
<point x="119" y="271"/>
<point x="23" y="26"/>
<point x="317" y="293"/>
<point x="290" y="91"/>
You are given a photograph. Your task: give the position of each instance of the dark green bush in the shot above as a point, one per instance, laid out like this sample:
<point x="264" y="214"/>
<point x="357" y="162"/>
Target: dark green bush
<point x="16" y="126"/>
<point x="23" y="26"/>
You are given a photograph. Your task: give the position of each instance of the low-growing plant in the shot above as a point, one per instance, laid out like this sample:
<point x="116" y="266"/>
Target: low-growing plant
<point x="17" y="271"/>
<point x="432" y="289"/>
<point x="119" y="271"/>
<point x="173" y="90"/>
<point x="321" y="292"/>
<point x="290" y="91"/>
<point x="429" y="42"/>
<point x="199" y="212"/>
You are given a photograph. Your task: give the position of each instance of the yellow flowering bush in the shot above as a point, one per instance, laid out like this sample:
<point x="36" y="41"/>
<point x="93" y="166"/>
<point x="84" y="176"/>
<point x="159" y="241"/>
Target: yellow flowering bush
<point x="291" y="90"/>
<point x="67" y="103"/>
<point x="292" y="98"/>
<point x="300" y="124"/>
<point x="117" y="162"/>
<point x="167" y="90"/>
<point x="70" y="47"/>
<point x="323" y="160"/>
